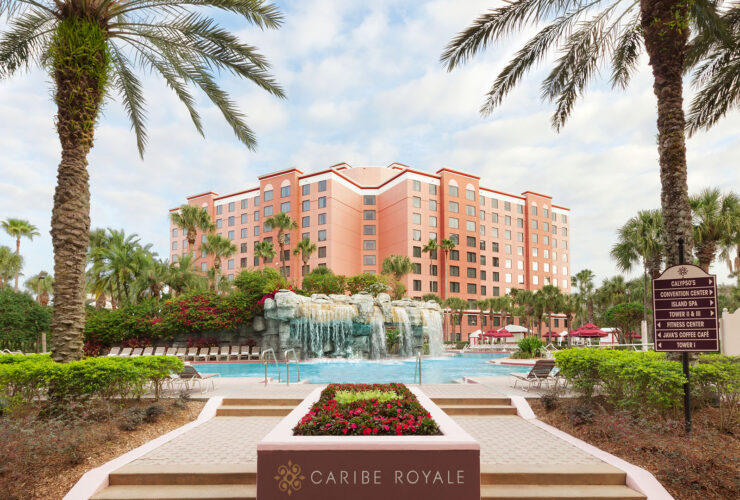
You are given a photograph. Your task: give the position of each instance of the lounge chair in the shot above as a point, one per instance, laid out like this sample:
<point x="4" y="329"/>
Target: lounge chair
<point x="234" y="352"/>
<point x="224" y="352"/>
<point x="148" y="351"/>
<point x="171" y="351"/>
<point x="193" y="377"/>
<point x="180" y="352"/>
<point x="538" y="374"/>
<point x="137" y="352"/>
<point x="192" y="353"/>
<point x="213" y="353"/>
<point x="245" y="351"/>
<point x="202" y="354"/>
<point x="256" y="353"/>
<point x="159" y="351"/>
<point x="125" y="352"/>
<point x="114" y="351"/>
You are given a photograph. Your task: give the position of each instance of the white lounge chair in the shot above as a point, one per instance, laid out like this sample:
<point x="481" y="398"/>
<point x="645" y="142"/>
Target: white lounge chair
<point x="171" y="351"/>
<point x="148" y="351"/>
<point x="125" y="352"/>
<point x="202" y="354"/>
<point x="114" y="351"/>
<point x="224" y="351"/>
<point x="202" y="379"/>
<point x="137" y="352"/>
<point x="213" y="353"/>
<point x="255" y="352"/>
<point x="234" y="352"/>
<point x="160" y="351"/>
<point x="245" y="351"/>
<point x="192" y="353"/>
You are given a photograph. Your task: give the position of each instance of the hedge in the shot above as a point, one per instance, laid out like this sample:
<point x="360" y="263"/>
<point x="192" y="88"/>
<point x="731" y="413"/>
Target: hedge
<point x="22" y="319"/>
<point x="24" y="379"/>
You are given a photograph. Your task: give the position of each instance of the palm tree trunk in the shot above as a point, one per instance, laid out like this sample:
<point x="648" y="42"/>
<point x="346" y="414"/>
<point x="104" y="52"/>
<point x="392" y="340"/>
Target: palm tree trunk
<point x="17" y="254"/>
<point x="443" y="273"/>
<point x="705" y="252"/>
<point x="666" y="31"/>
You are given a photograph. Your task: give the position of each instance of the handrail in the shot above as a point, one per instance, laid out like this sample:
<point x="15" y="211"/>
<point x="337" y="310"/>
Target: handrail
<point x="417" y="366"/>
<point x="264" y="362"/>
<point x="287" y="365"/>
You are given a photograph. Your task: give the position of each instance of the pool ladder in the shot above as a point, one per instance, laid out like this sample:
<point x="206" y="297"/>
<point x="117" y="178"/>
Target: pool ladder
<point x="264" y="360"/>
<point x="287" y="365"/>
<point x="417" y="366"/>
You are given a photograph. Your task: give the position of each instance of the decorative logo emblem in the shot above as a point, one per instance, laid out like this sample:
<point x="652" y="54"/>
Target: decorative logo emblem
<point x="683" y="271"/>
<point x="289" y="478"/>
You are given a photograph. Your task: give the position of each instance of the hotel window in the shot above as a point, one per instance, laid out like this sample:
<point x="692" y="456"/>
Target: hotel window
<point x="545" y="226"/>
<point x="174" y="233"/>
<point x="285" y="207"/>
<point x="482" y="245"/>
<point x="535" y="266"/>
<point x="554" y="217"/>
<point x="416" y="202"/>
<point x="368" y="214"/>
<point x="470" y="240"/>
<point x="368" y="245"/>
<point x="470" y="225"/>
<point x="520" y="279"/>
<point x="471" y="256"/>
<point x="231" y="220"/>
<point x="232" y="206"/>
<point x="368" y="200"/>
<point x="416" y="218"/>
<point x="564" y="244"/>
<point x="416" y="185"/>
<point x="243" y="248"/>
<point x="554" y="243"/>
<point x="322" y="219"/>
<point x="231" y="235"/>
<point x="322" y="186"/>
<point x="507" y="235"/>
<point x="455" y="237"/>
<point x="520" y="237"/>
<point x="243" y="262"/>
<point x="322" y="252"/>
<point x="244" y="232"/>
<point x="416" y="251"/>
<point x="564" y="231"/>
<point x="535" y="239"/>
<point x="472" y="272"/>
<point x="322" y="235"/>
<point x="184" y="244"/>
<point x="494" y="247"/>
<point x="454" y="271"/>
<point x="507" y="220"/>
<point x="432" y="221"/>
<point x="257" y="201"/>
<point x="564" y="219"/>
<point x="256" y="216"/>
<point x="433" y="269"/>
<point x="534" y="210"/>
<point x="546" y="267"/>
<point x="306" y="189"/>
<point x="454" y="223"/>
<point x="470" y="194"/>
<point x="496" y="319"/>
<point x="322" y="202"/>
<point x="507" y="206"/>
<point x="483" y="276"/>
<point x="306" y="222"/>
<point x="219" y="222"/>
<point x="433" y="236"/>
<point x="453" y="191"/>
<point x="482" y="260"/>
<point x="285" y="191"/>
<point x="244" y="204"/>
<point x="203" y="266"/>
<point x="564" y="259"/>
<point x="368" y="260"/>
<point x="267" y="211"/>
<point x="219" y="209"/>
<point x="244" y="218"/>
<point x="472" y="318"/>
<point x="534" y="224"/>
<point x="470" y="210"/>
<point x="495" y="276"/>
<point x="494" y="203"/>
<point x="432" y="189"/>
<point x="267" y="195"/>
<point x="520" y="222"/>
<point x="482" y="201"/>
<point x="494" y="232"/>
<point x="534" y="252"/>
<point x="256" y="231"/>
<point x="230" y="264"/>
<point x="174" y="245"/>
<point x="520" y="209"/>
<point x="454" y="207"/>
<point x="305" y="205"/>
<point x="554" y="229"/>
<point x="483" y="230"/>
<point x="417" y="268"/>
<point x="545" y="213"/>
<point x="454" y="287"/>
<point x="417" y="285"/>
<point x="432" y="204"/>
<point x="508" y="278"/>
<point x="546" y="240"/>
<point x="256" y="261"/>
<point x="494" y="217"/>
<point x="472" y="288"/>
<point x="305" y="236"/>
<point x="454" y="255"/>
<point x="203" y="254"/>
<point x="482" y="215"/>
<point x="416" y="235"/>
<point x="507" y="263"/>
<point x="286" y="255"/>
<point x="368" y="229"/>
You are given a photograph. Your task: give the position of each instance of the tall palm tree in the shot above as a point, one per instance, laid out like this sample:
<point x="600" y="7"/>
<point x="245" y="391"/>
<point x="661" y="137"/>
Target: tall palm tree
<point x="456" y="305"/>
<point x="183" y="277"/>
<point x="41" y="285"/>
<point x="446" y="245"/>
<point x="504" y="305"/>
<point x="550" y="297"/>
<point x="431" y="248"/>
<point x="264" y="250"/>
<point x="220" y="248"/>
<point x="569" y="305"/>
<point x="18" y="228"/>
<point x="283" y="223"/>
<point x="397" y="266"/>
<point x="716" y="223"/>
<point x="117" y="264"/>
<point x="93" y="49"/>
<point x="305" y="248"/>
<point x="588" y="35"/>
<point x="10" y="265"/>
<point x="584" y="282"/>
<point x="526" y="301"/>
<point x="612" y="291"/>
<point x="152" y="278"/>
<point x="190" y="219"/>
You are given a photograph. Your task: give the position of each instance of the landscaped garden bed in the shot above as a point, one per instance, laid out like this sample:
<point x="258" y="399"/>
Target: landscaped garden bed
<point x="367" y="409"/>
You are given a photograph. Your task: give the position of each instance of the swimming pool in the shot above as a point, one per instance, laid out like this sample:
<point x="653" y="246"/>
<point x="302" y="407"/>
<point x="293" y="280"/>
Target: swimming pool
<point x="434" y="370"/>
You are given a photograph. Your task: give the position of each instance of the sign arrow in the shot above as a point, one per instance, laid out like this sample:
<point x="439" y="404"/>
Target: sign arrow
<point x="711" y="313"/>
<point x="660" y="344"/>
<point x="659" y="325"/>
<point x="711" y="302"/>
<point x="710" y="281"/>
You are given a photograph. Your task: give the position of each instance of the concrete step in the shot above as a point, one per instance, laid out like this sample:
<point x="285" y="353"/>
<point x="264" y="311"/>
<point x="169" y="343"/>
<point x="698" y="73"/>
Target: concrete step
<point x="182" y="474"/>
<point x="585" y="474"/>
<point x="559" y="492"/>
<point x="471" y="401"/>
<point x="179" y="492"/>
<point x="478" y="409"/>
<point x="252" y="411"/>
<point x="293" y="402"/>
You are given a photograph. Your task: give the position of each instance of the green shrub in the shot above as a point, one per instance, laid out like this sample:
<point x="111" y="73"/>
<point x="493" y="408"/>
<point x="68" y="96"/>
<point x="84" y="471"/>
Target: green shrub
<point x="22" y="320"/>
<point x="324" y="282"/>
<point x="366" y="282"/>
<point x="720" y="375"/>
<point x="529" y="347"/>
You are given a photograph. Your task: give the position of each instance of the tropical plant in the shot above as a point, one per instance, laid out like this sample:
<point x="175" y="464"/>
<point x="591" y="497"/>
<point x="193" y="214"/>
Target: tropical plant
<point x="92" y="49"/>
<point x="264" y="250"/>
<point x="10" y="265"/>
<point x="18" y="228"/>
<point x="526" y="304"/>
<point x="716" y="223"/>
<point x="305" y="248"/>
<point x="326" y="283"/>
<point x="397" y="266"/>
<point x="432" y="297"/>
<point x="219" y="248"/>
<point x="151" y="279"/>
<point x="183" y="277"/>
<point x="431" y="248"/>
<point x="612" y="291"/>
<point x="41" y="285"/>
<point x="22" y="320"/>
<point x="446" y="245"/>
<point x="625" y="317"/>
<point x="368" y="283"/>
<point x="584" y="282"/>
<point x="550" y="298"/>
<point x="283" y="223"/>
<point x="456" y="305"/>
<point x="189" y="219"/>
<point x="588" y="35"/>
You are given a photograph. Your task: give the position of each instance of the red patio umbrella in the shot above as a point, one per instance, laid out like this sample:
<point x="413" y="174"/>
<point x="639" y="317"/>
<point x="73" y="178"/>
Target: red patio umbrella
<point x="633" y="335"/>
<point x="501" y="332"/>
<point x="588" y="330"/>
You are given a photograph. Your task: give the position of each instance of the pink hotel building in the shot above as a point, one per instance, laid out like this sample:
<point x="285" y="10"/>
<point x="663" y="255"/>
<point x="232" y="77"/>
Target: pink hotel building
<point x="357" y="216"/>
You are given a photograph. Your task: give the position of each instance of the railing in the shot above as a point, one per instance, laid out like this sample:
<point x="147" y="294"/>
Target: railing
<point x="417" y="366"/>
<point x="263" y="358"/>
<point x="287" y="365"/>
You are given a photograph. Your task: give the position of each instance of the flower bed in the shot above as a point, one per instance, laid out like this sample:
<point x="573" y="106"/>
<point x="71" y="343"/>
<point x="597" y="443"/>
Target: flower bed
<point x="402" y="416"/>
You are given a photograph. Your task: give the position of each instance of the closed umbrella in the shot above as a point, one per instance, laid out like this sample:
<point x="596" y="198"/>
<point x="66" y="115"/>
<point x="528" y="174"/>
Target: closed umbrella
<point x="588" y="330"/>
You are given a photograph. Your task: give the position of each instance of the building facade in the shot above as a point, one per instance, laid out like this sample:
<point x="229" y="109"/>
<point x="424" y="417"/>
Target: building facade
<point x="357" y="216"/>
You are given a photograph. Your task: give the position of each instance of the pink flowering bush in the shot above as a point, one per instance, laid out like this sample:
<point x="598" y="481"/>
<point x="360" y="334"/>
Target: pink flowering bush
<point x="365" y="417"/>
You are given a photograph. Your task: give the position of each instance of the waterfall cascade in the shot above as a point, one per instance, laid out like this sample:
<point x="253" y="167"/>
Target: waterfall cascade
<point x="406" y="335"/>
<point x="377" y="337"/>
<point x="433" y="323"/>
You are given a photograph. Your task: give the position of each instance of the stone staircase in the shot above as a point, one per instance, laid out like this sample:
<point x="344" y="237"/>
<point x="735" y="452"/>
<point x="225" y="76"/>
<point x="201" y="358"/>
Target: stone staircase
<point x="476" y="406"/>
<point x="257" y="407"/>
<point x="561" y="482"/>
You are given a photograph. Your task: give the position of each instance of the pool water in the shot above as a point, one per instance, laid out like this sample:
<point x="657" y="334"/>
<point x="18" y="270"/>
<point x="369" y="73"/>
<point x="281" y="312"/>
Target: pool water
<point x="434" y="370"/>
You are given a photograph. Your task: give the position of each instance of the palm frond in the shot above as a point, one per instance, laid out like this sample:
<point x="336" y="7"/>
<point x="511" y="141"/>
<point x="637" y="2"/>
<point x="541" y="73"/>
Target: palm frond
<point x="626" y="53"/>
<point x="257" y="12"/>
<point x="720" y="94"/>
<point x="130" y="89"/>
<point x="24" y="42"/>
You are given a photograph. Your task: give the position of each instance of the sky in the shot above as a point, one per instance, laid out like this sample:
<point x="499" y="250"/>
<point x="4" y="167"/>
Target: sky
<point x="364" y="86"/>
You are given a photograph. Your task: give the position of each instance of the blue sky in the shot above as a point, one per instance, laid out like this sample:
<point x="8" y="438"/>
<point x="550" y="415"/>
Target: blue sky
<point x="365" y="87"/>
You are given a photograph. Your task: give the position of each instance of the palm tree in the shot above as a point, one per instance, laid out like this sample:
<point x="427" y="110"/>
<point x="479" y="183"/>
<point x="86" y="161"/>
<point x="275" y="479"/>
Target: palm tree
<point x="550" y="297"/>
<point x="282" y="222"/>
<point x="117" y="264"/>
<point x="456" y="305"/>
<point x="431" y="248"/>
<point x="569" y="305"/>
<point x="190" y="219"/>
<point x="182" y="275"/>
<point x="220" y="248"/>
<point x="40" y="285"/>
<point x="584" y="281"/>
<point x="152" y="278"/>
<point x="305" y="248"/>
<point x="446" y="245"/>
<point x="716" y="223"/>
<point x="10" y="265"/>
<point x="397" y="266"/>
<point x="18" y="228"/>
<point x="587" y="36"/>
<point x="93" y="49"/>
<point x="264" y="250"/>
<point x="526" y="302"/>
<point x="612" y="291"/>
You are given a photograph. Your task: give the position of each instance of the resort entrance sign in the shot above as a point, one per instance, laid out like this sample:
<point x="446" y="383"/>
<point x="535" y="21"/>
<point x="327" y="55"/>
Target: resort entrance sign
<point x="685" y="310"/>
